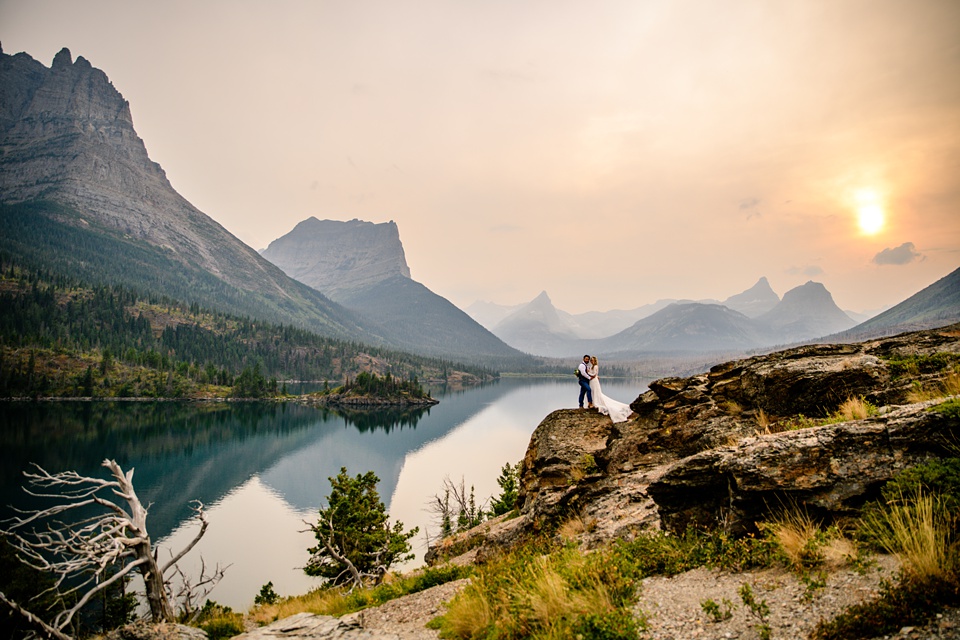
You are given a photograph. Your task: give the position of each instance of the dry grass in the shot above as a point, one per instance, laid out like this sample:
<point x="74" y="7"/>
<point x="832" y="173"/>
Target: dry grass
<point x="918" y="531"/>
<point x="319" y="601"/>
<point x="731" y="408"/>
<point x="471" y="612"/>
<point x="763" y="422"/>
<point x="948" y="386"/>
<point x="798" y="534"/>
<point x="537" y="597"/>
<point x="576" y="526"/>
<point x="548" y="596"/>
<point x="855" y="409"/>
<point x="838" y="552"/>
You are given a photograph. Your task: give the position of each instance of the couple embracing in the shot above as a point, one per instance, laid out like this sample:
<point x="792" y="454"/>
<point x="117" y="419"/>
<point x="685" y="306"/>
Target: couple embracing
<point x="588" y="373"/>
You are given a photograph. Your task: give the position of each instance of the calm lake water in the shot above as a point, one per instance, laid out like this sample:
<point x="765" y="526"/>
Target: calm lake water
<point x="262" y="469"/>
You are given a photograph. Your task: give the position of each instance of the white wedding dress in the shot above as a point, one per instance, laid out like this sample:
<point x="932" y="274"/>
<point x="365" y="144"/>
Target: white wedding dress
<point x="618" y="411"/>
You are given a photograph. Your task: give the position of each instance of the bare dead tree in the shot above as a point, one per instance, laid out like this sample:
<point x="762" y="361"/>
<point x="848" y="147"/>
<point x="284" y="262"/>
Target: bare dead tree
<point x="192" y="592"/>
<point x="460" y="513"/>
<point x="80" y="554"/>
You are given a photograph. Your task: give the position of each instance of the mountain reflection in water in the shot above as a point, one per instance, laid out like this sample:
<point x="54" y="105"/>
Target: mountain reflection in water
<point x="262" y="469"/>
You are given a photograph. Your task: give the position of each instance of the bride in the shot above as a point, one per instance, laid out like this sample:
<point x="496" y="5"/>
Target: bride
<point x="617" y="411"/>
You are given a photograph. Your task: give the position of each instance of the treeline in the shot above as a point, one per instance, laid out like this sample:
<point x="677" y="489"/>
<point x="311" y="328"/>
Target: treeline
<point x="370" y="384"/>
<point x="62" y="337"/>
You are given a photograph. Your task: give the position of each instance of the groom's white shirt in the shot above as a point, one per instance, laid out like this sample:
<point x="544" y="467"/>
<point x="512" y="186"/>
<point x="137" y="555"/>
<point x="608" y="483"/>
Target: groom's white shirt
<point x="583" y="370"/>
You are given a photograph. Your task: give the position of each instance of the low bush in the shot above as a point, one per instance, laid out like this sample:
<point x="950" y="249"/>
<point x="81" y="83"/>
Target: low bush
<point x="907" y="602"/>
<point x="562" y="594"/>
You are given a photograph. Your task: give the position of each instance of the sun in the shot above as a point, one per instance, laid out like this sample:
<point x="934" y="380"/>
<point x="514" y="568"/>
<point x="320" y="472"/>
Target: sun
<point x="870" y="214"/>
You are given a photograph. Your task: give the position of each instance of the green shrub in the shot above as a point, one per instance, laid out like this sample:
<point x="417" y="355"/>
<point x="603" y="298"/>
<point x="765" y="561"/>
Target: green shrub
<point x="950" y="408"/>
<point x="938" y="477"/>
<point x="219" y="621"/>
<point x="912" y="365"/>
<point x="267" y="595"/>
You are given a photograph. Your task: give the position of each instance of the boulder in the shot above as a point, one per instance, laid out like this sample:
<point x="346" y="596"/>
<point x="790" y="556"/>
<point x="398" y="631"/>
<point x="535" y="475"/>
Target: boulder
<point x="150" y="631"/>
<point x="316" y="627"/>
<point x="830" y="469"/>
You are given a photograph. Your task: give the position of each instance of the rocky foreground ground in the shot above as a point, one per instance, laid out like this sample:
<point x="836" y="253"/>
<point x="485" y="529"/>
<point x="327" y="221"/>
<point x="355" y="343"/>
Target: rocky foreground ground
<point x="671" y="607"/>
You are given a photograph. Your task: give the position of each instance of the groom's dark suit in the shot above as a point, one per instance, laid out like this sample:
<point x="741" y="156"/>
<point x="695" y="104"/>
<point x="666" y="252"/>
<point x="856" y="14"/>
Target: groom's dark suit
<point x="584" y="384"/>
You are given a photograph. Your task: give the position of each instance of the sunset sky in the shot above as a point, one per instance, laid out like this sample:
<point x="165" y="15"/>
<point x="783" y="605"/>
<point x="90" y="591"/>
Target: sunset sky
<point x="611" y="153"/>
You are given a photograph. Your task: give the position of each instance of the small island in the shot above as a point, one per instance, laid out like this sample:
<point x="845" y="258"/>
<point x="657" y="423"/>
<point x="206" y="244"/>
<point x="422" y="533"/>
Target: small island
<point x="371" y="390"/>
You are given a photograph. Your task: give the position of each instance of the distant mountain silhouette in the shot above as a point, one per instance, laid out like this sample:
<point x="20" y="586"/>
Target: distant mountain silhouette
<point x="488" y="314"/>
<point x="807" y="311"/>
<point x="362" y="266"/>
<point x="934" y="306"/>
<point x="339" y="258"/>
<point x="760" y="319"/>
<point x="537" y="327"/>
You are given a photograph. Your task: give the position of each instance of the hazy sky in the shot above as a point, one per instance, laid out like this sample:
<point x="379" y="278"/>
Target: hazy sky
<point x="610" y="153"/>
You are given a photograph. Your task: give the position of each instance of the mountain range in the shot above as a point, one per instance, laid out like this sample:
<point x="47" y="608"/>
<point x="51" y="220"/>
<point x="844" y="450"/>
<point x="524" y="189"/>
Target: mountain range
<point x="79" y="195"/>
<point x="362" y="266"/>
<point x="756" y="318"/>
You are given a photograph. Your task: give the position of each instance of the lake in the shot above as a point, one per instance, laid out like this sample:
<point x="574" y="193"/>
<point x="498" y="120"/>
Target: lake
<point x="262" y="469"/>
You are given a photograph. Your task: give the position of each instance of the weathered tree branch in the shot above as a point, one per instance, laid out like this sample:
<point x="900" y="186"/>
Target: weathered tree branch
<point x="86" y="550"/>
<point x="39" y="625"/>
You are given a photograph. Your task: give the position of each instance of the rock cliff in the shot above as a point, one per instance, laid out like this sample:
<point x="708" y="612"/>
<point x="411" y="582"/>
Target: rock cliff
<point x="80" y="194"/>
<point x="339" y="258"/>
<point x="727" y="446"/>
<point x="68" y="134"/>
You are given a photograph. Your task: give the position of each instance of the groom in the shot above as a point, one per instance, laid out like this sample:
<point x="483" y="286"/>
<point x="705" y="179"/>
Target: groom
<point x="584" y="378"/>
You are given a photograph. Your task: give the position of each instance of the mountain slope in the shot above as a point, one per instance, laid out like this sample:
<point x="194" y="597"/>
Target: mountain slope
<point x="685" y="327"/>
<point x="81" y="193"/>
<point x="362" y="266"/>
<point x="934" y="306"/>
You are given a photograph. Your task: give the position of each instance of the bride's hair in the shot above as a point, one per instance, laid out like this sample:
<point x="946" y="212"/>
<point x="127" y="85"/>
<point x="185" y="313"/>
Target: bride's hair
<point x="593" y="360"/>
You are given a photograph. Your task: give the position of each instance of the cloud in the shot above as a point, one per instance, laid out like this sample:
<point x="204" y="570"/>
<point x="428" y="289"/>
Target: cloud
<point x="750" y="206"/>
<point x="810" y="270"/>
<point x="904" y="254"/>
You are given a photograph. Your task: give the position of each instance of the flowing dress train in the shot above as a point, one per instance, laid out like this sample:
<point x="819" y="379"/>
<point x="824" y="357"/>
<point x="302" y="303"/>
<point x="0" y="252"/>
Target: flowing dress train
<point x="618" y="411"/>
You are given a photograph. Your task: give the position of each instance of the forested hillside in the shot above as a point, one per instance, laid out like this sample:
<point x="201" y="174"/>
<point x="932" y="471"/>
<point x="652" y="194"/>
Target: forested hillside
<point x="60" y="336"/>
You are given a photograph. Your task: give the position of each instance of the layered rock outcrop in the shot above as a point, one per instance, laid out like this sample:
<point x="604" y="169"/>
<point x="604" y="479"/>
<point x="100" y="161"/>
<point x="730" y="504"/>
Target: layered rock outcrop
<point x="731" y="445"/>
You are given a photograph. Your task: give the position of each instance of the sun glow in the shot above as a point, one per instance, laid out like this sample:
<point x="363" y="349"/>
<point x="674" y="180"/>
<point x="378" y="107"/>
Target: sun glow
<point x="870" y="214"/>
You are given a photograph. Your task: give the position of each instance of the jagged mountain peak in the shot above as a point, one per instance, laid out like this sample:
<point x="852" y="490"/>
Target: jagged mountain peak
<point x="542" y="300"/>
<point x="755" y="301"/>
<point x="62" y="60"/>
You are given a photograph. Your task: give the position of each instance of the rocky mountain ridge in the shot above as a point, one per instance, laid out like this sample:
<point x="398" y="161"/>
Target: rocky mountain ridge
<point x="81" y="195"/>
